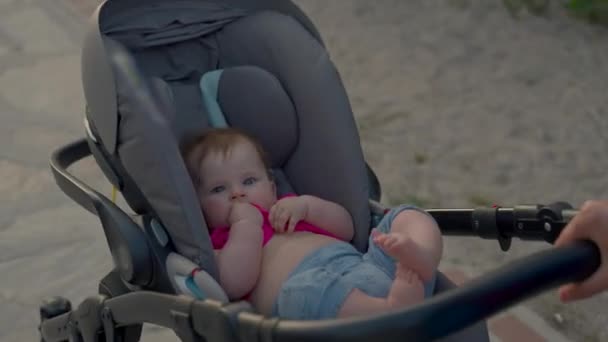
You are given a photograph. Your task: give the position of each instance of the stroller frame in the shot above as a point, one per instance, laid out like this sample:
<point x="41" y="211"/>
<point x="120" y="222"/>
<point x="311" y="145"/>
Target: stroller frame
<point x="119" y="310"/>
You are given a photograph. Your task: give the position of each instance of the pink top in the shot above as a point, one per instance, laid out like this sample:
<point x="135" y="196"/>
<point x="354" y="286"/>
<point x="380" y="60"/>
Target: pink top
<point x="219" y="236"/>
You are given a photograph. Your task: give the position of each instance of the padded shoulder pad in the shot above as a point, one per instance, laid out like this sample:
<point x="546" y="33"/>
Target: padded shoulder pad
<point x="150" y="155"/>
<point x="253" y="99"/>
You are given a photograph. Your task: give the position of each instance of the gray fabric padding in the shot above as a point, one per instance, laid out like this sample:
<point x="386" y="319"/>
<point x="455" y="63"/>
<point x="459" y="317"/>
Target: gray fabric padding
<point x="254" y="100"/>
<point x="150" y="154"/>
<point x="327" y="161"/>
<point x="142" y="25"/>
<point x="249" y="95"/>
<point x="98" y="86"/>
<point x="282" y="183"/>
<point x="162" y="94"/>
<point x="190" y="118"/>
<point x="286" y="7"/>
<point x="148" y="23"/>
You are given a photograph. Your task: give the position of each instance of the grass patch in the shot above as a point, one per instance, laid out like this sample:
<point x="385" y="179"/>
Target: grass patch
<point x="535" y="7"/>
<point x="592" y="11"/>
<point x="420" y="158"/>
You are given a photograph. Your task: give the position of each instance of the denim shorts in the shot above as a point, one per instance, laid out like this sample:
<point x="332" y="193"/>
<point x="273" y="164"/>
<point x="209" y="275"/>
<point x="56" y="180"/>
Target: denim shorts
<point x="319" y="285"/>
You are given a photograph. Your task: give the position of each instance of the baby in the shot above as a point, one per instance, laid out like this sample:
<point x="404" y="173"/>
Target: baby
<point x="290" y="256"/>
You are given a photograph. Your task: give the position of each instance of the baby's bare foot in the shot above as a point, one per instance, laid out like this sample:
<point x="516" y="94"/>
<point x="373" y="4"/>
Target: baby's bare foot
<point x="402" y="248"/>
<point x="407" y="289"/>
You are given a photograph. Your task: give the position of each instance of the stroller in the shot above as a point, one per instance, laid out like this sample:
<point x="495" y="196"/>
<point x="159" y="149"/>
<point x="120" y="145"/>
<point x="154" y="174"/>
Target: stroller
<point x="157" y="72"/>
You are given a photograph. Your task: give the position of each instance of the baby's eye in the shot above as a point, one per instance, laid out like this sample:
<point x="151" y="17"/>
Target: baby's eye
<point x="249" y="180"/>
<point x="218" y="189"/>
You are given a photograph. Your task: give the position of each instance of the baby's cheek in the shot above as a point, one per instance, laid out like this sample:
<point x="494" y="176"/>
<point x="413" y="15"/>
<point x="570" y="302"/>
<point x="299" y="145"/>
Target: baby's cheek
<point x="216" y="212"/>
<point x="266" y="198"/>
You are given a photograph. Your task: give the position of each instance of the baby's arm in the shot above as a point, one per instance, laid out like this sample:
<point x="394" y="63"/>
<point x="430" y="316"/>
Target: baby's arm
<point x="329" y="216"/>
<point x="239" y="261"/>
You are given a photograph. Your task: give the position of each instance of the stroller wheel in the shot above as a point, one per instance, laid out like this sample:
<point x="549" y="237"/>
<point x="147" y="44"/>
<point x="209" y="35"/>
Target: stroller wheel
<point x="53" y="307"/>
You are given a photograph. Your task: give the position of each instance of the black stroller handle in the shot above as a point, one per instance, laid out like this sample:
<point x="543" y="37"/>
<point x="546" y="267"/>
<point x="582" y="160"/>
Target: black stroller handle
<point x="73" y="187"/>
<point x="456" y="309"/>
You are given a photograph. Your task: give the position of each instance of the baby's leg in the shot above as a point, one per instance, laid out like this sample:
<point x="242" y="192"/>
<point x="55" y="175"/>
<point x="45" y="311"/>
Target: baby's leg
<point x="407" y="290"/>
<point x="374" y="289"/>
<point x="414" y="240"/>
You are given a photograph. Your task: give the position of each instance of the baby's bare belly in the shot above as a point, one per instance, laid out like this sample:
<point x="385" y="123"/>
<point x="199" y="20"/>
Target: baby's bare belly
<point x="280" y="256"/>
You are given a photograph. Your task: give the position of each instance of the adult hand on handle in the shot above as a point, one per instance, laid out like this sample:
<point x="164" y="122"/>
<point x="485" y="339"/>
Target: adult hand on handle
<point x="591" y="223"/>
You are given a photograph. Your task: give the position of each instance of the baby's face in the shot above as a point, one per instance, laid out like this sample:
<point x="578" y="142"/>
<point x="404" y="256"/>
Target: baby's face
<point x="238" y="176"/>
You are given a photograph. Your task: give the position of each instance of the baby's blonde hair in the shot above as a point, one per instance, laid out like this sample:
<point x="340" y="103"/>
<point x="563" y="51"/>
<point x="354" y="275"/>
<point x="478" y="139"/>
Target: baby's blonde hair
<point x="220" y="140"/>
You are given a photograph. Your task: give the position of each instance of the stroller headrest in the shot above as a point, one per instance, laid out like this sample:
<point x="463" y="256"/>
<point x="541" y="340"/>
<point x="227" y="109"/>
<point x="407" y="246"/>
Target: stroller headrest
<point x="254" y="100"/>
<point x="272" y="78"/>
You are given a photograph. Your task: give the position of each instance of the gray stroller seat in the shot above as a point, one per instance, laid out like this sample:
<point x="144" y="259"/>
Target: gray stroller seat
<point x="156" y="73"/>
